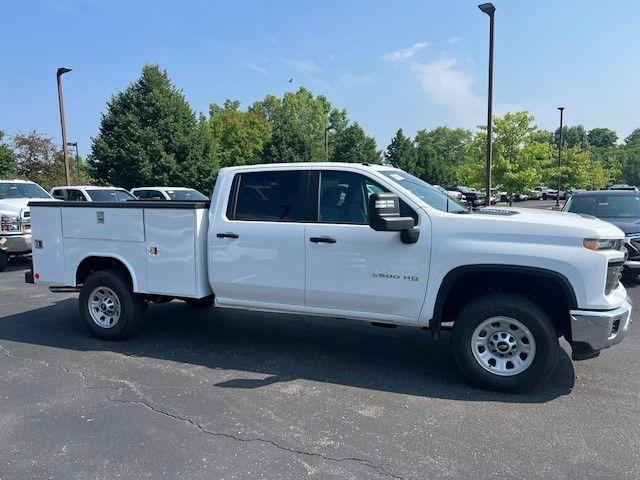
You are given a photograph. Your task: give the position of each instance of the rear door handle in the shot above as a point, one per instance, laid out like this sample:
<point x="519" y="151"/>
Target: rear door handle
<point x="322" y="240"/>
<point x="227" y="235"/>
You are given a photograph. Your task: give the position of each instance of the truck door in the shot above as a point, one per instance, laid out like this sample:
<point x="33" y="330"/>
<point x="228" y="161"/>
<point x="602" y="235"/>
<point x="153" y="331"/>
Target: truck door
<point x="257" y="247"/>
<point x="351" y="267"/>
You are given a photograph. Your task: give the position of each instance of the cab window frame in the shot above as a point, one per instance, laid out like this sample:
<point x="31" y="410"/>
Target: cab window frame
<point x="315" y="192"/>
<point x="301" y="197"/>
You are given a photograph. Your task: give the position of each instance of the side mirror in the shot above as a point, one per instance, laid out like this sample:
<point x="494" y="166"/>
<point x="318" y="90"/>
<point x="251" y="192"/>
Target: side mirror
<point x="384" y="214"/>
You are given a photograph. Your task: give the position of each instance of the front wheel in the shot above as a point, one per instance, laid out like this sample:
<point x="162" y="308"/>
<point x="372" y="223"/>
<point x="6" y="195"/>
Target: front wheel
<point x="505" y="342"/>
<point x="109" y="307"/>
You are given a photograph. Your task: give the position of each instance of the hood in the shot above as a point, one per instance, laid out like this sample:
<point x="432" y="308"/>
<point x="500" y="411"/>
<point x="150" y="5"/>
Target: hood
<point x="627" y="225"/>
<point x="518" y="222"/>
<point x="14" y="206"/>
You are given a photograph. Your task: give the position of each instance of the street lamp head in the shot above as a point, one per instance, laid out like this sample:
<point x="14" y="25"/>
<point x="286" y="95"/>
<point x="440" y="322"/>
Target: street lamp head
<point x="63" y="70"/>
<point x="561" y="108"/>
<point x="487" y="8"/>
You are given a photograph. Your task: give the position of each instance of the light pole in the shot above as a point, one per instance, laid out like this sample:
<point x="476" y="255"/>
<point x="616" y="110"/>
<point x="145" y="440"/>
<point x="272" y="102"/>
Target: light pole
<point x="326" y="142"/>
<point x="490" y="10"/>
<point x="75" y="144"/>
<point x="67" y="171"/>
<point x="559" y="157"/>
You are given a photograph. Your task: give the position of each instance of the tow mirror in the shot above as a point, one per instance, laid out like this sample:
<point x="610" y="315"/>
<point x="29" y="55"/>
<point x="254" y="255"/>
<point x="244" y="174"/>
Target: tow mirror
<point x="384" y="214"/>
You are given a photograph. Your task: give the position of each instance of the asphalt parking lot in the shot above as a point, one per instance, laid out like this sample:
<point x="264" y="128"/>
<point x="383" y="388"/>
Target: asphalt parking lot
<point x="233" y="394"/>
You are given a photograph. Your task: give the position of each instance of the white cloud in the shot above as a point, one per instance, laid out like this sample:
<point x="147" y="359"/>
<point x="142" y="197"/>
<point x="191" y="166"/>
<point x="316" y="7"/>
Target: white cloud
<point x="447" y="85"/>
<point x="306" y="66"/>
<point x="454" y="40"/>
<point x="257" y="68"/>
<point x="405" y="53"/>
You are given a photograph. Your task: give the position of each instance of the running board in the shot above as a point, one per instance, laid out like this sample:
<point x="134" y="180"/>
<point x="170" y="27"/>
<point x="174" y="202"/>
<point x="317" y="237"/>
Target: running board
<point x="64" y="289"/>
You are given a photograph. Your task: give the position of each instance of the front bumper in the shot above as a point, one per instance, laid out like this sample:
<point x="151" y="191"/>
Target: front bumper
<point x="593" y="330"/>
<point x="20" y="243"/>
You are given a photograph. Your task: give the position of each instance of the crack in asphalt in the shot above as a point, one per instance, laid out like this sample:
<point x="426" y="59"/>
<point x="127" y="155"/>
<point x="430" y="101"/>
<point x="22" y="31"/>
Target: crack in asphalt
<point x="230" y="436"/>
<point x="195" y="424"/>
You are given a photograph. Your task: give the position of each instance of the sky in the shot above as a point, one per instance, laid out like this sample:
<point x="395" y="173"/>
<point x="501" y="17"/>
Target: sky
<point x="392" y="64"/>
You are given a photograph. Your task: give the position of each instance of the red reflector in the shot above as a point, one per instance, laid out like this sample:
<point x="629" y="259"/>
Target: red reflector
<point x="37" y="276"/>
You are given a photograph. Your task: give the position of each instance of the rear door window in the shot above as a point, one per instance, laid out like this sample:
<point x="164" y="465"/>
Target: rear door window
<point x="275" y="196"/>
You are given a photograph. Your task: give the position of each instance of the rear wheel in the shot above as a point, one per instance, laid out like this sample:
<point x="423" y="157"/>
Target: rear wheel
<point x="505" y="342"/>
<point x="4" y="260"/>
<point x="109" y="307"/>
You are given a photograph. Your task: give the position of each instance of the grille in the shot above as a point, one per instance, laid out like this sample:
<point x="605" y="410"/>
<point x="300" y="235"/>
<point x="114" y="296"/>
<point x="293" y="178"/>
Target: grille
<point x="614" y="272"/>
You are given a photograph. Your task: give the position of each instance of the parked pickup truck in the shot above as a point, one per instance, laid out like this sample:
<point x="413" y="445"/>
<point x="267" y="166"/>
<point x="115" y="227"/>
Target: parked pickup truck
<point x="15" y="224"/>
<point x="351" y="241"/>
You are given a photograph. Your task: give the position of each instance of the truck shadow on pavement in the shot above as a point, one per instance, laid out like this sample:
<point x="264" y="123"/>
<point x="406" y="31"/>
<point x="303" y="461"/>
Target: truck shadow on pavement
<point x="282" y="347"/>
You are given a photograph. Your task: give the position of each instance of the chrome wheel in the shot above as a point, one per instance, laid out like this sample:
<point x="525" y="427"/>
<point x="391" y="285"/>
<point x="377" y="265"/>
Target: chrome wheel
<point x="503" y="346"/>
<point x="104" y="307"/>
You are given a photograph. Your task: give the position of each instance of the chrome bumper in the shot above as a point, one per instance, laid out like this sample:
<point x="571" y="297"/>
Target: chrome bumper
<point x="600" y="329"/>
<point x="20" y="243"/>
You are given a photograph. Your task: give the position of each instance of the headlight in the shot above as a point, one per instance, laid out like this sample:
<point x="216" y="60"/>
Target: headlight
<point x="601" y="244"/>
<point x="10" y="223"/>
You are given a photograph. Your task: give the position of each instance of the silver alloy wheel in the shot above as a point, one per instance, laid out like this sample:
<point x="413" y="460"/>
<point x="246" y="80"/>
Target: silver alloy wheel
<point x="503" y="346"/>
<point x="104" y="307"/>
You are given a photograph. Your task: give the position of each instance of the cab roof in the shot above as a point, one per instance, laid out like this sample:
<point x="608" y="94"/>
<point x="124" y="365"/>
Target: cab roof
<point x="87" y="187"/>
<point x="15" y="180"/>
<point x="162" y="188"/>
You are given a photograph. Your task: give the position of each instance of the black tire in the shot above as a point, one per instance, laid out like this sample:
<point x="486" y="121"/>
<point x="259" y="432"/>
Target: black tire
<point x="4" y="260"/>
<point x="131" y="306"/>
<point x="204" y="302"/>
<point x="544" y="196"/>
<point x="524" y="311"/>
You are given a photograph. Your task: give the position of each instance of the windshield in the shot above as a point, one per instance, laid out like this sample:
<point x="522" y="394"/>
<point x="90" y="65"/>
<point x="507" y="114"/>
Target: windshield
<point x="105" y="195"/>
<point x="424" y="191"/>
<point x="21" y="190"/>
<point x="189" y="194"/>
<point x="605" y="206"/>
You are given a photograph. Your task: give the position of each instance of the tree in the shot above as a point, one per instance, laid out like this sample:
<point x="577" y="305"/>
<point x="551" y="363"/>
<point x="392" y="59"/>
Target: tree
<point x="38" y="159"/>
<point x="352" y="145"/>
<point x="241" y="136"/>
<point x="439" y="152"/>
<point x="401" y="153"/>
<point x="581" y="169"/>
<point x="630" y="158"/>
<point x="602" y="137"/>
<point x="7" y="158"/>
<point x="147" y="134"/>
<point x="572" y="136"/>
<point x="298" y="124"/>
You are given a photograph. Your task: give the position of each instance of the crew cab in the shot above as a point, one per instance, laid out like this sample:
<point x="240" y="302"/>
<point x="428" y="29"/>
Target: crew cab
<point x="15" y="222"/>
<point x="90" y="193"/>
<point x="167" y="193"/>
<point x="356" y="241"/>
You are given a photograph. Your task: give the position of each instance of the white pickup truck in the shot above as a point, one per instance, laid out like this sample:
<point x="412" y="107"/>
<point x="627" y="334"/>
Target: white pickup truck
<point x="352" y="241"/>
<point x="15" y="224"/>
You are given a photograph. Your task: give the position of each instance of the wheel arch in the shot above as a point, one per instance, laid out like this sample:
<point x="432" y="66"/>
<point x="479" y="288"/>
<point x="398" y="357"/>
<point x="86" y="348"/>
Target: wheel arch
<point x="459" y="276"/>
<point x="95" y="262"/>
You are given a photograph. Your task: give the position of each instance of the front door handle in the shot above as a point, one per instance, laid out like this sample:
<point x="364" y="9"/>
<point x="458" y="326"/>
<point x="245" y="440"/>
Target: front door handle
<point x="322" y="240"/>
<point x="227" y="235"/>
